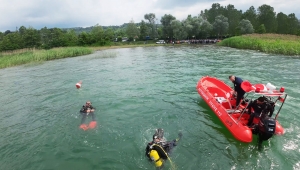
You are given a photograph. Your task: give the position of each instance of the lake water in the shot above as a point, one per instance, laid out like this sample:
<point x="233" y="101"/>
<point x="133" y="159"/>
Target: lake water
<point x="135" y="91"/>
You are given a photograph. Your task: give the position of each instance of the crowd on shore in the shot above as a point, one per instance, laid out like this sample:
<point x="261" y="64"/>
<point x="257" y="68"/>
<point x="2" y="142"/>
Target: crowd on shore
<point x="194" y="41"/>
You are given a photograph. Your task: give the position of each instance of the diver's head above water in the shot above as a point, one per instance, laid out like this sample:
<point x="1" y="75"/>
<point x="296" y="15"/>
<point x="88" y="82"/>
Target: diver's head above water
<point x="158" y="136"/>
<point x="159" y="133"/>
<point x="88" y="103"/>
<point x="156" y="139"/>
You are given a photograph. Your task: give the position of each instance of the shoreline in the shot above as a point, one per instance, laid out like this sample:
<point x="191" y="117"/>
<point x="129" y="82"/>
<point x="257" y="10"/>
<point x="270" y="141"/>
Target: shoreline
<point x="267" y="43"/>
<point x="124" y="46"/>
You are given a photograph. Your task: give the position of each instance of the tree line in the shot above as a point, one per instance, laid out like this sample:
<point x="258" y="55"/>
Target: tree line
<point x="216" y="22"/>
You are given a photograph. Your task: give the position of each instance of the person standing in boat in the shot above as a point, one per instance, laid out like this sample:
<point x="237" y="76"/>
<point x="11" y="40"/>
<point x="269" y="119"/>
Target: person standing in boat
<point x="238" y="91"/>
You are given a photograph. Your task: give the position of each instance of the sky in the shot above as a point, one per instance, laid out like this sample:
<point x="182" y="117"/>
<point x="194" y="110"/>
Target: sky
<point x="86" y="13"/>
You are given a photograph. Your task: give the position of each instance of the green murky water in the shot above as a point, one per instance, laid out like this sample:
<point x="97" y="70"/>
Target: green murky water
<point x="135" y="91"/>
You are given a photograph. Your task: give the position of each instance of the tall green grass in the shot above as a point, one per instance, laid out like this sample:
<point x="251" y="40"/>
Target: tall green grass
<point x="29" y="56"/>
<point x="269" y="43"/>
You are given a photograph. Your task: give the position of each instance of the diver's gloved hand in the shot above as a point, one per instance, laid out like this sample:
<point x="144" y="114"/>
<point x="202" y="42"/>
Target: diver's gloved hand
<point x="179" y="136"/>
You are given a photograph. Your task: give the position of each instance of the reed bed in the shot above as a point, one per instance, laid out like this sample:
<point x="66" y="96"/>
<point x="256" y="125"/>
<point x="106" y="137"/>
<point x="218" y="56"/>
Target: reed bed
<point x="28" y="56"/>
<point x="269" y="43"/>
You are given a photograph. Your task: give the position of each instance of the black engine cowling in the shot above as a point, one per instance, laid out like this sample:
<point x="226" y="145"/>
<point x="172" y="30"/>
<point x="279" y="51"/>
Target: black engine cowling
<point x="266" y="128"/>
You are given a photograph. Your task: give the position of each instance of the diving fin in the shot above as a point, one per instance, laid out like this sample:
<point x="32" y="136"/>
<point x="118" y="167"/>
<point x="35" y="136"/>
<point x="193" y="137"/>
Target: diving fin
<point x="84" y="127"/>
<point x="92" y="124"/>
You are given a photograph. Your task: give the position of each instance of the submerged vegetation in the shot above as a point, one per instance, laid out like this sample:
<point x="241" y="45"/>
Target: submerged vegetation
<point x="32" y="56"/>
<point x="269" y="43"/>
<point x="104" y="55"/>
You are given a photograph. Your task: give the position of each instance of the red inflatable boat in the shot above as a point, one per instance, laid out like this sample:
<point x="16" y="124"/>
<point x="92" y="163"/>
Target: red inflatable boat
<point x="218" y="96"/>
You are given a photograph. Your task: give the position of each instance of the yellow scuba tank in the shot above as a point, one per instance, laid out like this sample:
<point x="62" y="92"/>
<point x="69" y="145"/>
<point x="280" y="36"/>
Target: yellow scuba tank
<point x="155" y="157"/>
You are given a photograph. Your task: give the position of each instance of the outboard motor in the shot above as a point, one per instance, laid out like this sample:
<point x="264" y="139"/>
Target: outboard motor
<point x="266" y="128"/>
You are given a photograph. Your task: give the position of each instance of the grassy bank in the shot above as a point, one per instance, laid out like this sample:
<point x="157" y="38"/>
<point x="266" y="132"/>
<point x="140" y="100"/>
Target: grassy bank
<point x="9" y="59"/>
<point x="269" y="43"/>
<point x="25" y="56"/>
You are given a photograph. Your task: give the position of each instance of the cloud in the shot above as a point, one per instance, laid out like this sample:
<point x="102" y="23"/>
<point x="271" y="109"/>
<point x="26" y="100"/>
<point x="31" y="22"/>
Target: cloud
<point x="171" y="4"/>
<point x="85" y="13"/>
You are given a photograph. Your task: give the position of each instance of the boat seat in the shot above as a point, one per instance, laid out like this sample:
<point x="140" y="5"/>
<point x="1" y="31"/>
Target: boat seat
<point x="232" y="111"/>
<point x="224" y="102"/>
<point x="220" y="99"/>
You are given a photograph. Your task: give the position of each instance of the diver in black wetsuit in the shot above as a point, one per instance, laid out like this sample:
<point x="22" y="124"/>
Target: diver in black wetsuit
<point x="261" y="108"/>
<point x="163" y="147"/>
<point x="86" y="110"/>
